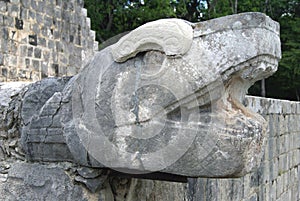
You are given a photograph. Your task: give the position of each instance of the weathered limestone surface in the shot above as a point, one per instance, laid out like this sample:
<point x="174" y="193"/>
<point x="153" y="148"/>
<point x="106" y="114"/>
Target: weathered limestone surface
<point x="171" y="36"/>
<point x="144" y="101"/>
<point x="277" y="177"/>
<point x="176" y="112"/>
<point x="39" y="182"/>
<point x="43" y="38"/>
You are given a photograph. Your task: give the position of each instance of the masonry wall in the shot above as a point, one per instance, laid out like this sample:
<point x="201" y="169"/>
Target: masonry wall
<point x="53" y="38"/>
<point x="43" y="38"/>
<point x="278" y="177"/>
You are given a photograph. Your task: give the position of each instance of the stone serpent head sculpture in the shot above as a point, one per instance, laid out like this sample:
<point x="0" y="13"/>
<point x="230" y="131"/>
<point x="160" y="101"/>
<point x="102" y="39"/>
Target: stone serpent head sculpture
<point x="167" y="97"/>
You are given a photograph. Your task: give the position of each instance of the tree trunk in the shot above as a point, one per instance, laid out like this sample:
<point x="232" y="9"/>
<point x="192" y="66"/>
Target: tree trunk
<point x="263" y="83"/>
<point x="212" y="7"/>
<point x="263" y="88"/>
<point x="110" y="20"/>
<point x="297" y="95"/>
<point x="235" y="6"/>
<point x="232" y="7"/>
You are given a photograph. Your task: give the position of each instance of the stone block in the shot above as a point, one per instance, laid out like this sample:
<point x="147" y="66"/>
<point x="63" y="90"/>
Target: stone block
<point x="3" y="7"/>
<point x="37" y="53"/>
<point x="23" y="50"/>
<point x="298" y="174"/>
<point x="4" y="72"/>
<point x="46" y="32"/>
<point x="13" y="10"/>
<point x="32" y="15"/>
<point x="1" y="59"/>
<point x="44" y="69"/>
<point x="269" y="149"/>
<point x="57" y="12"/>
<point x="293" y="106"/>
<point x="291" y="123"/>
<point x="13" y="47"/>
<point x="63" y="58"/>
<point x="278" y="187"/>
<point x="275" y="107"/>
<point x="275" y="168"/>
<point x="277" y="146"/>
<point x="50" y="10"/>
<point x="26" y="3"/>
<point x="296" y="140"/>
<point x="41" y="5"/>
<point x="72" y="70"/>
<point x="296" y="156"/>
<point x="277" y="122"/>
<point x="48" y="21"/>
<point x="51" y="44"/>
<point x="46" y="55"/>
<point x="286" y="181"/>
<point x="36" y="65"/>
<point x="22" y="74"/>
<point x="24" y="13"/>
<point x="12" y="61"/>
<point x="284" y="196"/>
<point x="294" y="193"/>
<point x="298" y="108"/>
<point x="266" y="194"/>
<point x="286" y="107"/>
<point x="27" y="63"/>
<point x="264" y="173"/>
<point x="55" y="69"/>
<point x="4" y="46"/>
<point x="15" y="1"/>
<point x="34" y="5"/>
<point x="1" y="19"/>
<point x="42" y="42"/>
<point x="272" y="194"/>
<point x="282" y="144"/>
<point x="13" y="73"/>
<point x="253" y="197"/>
<point x="8" y="21"/>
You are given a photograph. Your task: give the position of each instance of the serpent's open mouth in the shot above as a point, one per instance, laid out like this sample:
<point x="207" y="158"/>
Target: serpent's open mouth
<point x="246" y="74"/>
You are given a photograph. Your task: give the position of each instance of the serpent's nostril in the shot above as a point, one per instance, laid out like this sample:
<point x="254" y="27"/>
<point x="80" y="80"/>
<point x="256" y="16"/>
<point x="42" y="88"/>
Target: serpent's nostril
<point x="261" y="67"/>
<point x="269" y="68"/>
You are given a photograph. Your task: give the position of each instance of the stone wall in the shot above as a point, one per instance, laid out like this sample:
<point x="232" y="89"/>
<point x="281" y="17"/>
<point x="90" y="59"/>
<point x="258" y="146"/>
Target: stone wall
<point x="43" y="38"/>
<point x="278" y="177"/>
<point x="53" y="38"/>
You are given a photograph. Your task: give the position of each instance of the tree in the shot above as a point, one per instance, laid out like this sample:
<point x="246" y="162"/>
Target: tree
<point x="287" y="78"/>
<point x="285" y="83"/>
<point x="113" y="17"/>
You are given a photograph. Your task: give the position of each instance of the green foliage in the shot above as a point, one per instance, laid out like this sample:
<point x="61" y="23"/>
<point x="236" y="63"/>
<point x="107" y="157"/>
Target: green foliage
<point x="285" y="83"/>
<point x="111" y="17"/>
<point x="287" y="79"/>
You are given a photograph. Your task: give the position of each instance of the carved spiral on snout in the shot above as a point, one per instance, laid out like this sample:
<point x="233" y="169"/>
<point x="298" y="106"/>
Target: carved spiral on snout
<point x="172" y="36"/>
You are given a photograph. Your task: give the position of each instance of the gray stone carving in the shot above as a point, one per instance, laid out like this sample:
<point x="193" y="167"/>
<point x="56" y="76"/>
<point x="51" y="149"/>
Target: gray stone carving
<point x="158" y="105"/>
<point x="181" y="115"/>
<point x="39" y="182"/>
<point x="172" y="36"/>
